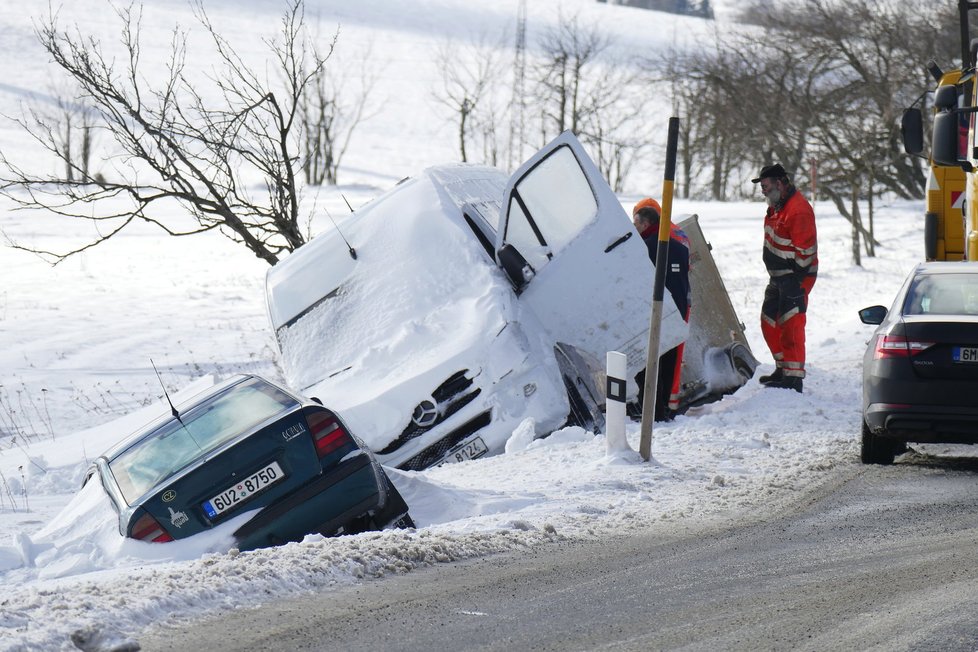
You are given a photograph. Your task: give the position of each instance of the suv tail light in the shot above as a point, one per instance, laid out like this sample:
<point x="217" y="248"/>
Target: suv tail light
<point x="149" y="529"/>
<point x="898" y="346"/>
<point x="328" y="434"/>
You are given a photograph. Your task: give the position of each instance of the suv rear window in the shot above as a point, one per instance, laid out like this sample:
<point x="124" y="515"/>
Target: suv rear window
<point x="201" y="429"/>
<point x="943" y="294"/>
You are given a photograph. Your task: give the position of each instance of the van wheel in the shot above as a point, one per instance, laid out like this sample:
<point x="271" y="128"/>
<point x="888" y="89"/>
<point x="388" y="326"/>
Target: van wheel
<point x="876" y="450"/>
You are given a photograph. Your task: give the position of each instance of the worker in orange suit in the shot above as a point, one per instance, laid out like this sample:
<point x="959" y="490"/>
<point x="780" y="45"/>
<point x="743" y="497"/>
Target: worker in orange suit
<point x="791" y="259"/>
<point x="645" y="217"/>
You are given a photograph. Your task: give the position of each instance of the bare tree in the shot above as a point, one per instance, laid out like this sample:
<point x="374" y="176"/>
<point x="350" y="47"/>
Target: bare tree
<point x="68" y="127"/>
<point x="826" y="76"/>
<point x="613" y="127"/>
<point x="568" y="50"/>
<point x="331" y="108"/>
<point x="582" y="87"/>
<point x="64" y="125"/>
<point x="470" y="79"/>
<point x="175" y="144"/>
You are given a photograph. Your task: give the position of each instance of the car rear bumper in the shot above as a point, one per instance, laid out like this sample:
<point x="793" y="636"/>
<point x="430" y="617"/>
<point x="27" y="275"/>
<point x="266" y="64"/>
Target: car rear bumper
<point x="349" y="491"/>
<point x="923" y="423"/>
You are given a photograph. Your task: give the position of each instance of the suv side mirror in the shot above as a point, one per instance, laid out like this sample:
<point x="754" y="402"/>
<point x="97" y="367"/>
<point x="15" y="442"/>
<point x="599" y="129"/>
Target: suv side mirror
<point x="912" y="130"/>
<point x="873" y="315"/>
<point x="514" y="264"/>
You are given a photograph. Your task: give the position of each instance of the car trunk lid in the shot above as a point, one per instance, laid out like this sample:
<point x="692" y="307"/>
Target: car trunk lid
<point x="247" y="474"/>
<point x="946" y="346"/>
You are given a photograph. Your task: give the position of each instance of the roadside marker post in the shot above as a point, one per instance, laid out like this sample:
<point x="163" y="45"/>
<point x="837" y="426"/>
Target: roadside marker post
<point x="614" y="415"/>
<point x="658" y="287"/>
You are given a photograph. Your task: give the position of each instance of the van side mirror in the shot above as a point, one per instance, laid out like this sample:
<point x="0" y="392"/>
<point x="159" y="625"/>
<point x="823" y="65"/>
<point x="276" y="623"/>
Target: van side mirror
<point x="912" y="130"/>
<point x="514" y="264"/>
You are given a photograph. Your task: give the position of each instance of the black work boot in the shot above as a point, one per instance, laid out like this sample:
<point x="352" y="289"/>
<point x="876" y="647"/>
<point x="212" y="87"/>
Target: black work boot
<point x="773" y="378"/>
<point x="787" y="382"/>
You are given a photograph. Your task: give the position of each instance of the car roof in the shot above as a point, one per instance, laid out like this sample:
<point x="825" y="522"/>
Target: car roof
<point x="186" y="406"/>
<point x="947" y="267"/>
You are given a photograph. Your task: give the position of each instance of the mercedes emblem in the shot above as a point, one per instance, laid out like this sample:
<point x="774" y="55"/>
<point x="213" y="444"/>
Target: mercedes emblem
<point x="425" y="413"/>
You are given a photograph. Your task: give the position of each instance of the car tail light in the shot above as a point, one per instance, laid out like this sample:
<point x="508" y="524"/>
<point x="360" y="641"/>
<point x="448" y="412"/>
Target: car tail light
<point x="327" y="433"/>
<point x="149" y="529"/>
<point x="898" y="346"/>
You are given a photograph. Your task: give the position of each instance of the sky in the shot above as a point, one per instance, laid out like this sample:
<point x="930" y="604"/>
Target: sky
<point x="76" y="342"/>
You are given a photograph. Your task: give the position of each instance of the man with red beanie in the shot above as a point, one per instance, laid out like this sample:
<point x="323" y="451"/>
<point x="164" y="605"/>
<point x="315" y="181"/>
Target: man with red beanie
<point x="645" y="217"/>
<point x="791" y="259"/>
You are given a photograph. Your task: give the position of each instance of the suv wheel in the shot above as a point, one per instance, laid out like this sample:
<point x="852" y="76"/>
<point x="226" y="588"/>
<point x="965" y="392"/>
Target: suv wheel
<point x="876" y="450"/>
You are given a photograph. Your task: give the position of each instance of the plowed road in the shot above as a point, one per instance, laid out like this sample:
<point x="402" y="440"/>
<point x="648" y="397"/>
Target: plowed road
<point x="874" y="558"/>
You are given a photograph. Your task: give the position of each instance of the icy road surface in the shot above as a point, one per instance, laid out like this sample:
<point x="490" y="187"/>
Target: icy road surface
<point x="874" y="558"/>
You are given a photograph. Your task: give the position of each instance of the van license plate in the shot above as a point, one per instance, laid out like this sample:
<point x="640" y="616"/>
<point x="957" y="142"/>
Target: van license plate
<point x="468" y="451"/>
<point x="965" y="354"/>
<point x="243" y="490"/>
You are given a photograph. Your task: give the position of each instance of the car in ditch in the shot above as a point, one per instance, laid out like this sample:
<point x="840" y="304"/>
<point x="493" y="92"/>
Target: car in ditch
<point x="465" y="303"/>
<point x="247" y="446"/>
<point x="920" y="369"/>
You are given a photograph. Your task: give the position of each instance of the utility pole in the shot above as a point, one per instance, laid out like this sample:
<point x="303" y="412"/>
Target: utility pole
<point x="517" y="128"/>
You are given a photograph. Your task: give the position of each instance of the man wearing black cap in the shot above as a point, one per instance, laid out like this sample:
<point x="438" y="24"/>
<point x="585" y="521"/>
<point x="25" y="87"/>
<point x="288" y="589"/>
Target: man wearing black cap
<point x="791" y="258"/>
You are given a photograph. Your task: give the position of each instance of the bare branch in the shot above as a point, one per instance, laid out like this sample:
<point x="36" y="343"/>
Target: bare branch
<point x="174" y="144"/>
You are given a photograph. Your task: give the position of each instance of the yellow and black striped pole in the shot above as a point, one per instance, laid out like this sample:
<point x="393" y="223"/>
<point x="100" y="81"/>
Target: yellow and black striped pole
<point x="658" y="291"/>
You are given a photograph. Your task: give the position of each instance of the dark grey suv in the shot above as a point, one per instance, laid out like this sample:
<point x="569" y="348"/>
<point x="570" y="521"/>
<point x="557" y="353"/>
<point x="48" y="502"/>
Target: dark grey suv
<point x="920" y="371"/>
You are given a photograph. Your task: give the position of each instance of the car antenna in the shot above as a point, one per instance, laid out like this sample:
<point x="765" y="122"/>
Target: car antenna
<point x="353" y="252"/>
<point x="167" y="395"/>
<point x="347" y="202"/>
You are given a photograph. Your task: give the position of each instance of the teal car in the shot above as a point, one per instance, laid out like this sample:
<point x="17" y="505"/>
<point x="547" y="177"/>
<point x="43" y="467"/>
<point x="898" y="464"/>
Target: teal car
<point x="248" y="446"/>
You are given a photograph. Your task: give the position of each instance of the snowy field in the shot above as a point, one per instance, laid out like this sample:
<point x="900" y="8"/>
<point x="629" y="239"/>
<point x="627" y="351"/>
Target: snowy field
<point x="76" y="342"/>
<point x="84" y="331"/>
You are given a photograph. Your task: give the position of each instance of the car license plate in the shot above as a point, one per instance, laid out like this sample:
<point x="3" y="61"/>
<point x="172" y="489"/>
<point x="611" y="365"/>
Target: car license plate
<point x="243" y="490"/>
<point x="965" y="354"/>
<point x="468" y="451"/>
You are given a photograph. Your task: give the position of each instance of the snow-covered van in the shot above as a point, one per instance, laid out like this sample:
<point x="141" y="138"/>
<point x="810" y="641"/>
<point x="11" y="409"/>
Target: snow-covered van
<point x="463" y="305"/>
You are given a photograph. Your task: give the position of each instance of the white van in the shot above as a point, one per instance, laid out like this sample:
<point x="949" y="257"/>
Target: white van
<point x="464" y="304"/>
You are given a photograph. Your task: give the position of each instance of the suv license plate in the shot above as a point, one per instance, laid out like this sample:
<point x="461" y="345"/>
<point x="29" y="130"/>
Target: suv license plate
<point x="243" y="490"/>
<point x="468" y="451"/>
<point x="965" y="354"/>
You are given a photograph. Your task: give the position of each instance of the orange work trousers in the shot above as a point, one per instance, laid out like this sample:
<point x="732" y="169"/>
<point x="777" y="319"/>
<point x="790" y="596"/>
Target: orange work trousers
<point x="783" y="321"/>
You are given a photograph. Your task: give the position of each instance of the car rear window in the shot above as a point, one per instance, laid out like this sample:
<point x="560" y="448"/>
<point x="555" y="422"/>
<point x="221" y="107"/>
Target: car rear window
<point x="943" y="294"/>
<point x="205" y="427"/>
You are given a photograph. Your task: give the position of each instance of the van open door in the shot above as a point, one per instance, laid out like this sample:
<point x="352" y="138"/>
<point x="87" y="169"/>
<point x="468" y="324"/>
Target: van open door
<point x="575" y="259"/>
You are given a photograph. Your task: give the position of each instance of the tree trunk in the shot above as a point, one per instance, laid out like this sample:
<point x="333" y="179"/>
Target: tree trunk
<point x="870" y="246"/>
<point x="69" y="171"/>
<point x="86" y="153"/>
<point x="856" y="225"/>
<point x="463" y="118"/>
